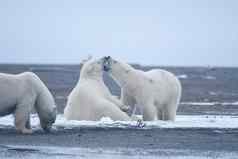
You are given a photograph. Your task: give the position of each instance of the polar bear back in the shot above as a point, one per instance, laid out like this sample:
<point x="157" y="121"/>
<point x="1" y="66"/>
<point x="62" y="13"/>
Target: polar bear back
<point x="164" y="83"/>
<point x="7" y="89"/>
<point x="13" y="88"/>
<point x="164" y="77"/>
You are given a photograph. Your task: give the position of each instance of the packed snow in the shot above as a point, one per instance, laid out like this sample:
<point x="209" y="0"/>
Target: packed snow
<point x="209" y="77"/>
<point x="182" y="76"/>
<point x="182" y="121"/>
<point x="210" y="103"/>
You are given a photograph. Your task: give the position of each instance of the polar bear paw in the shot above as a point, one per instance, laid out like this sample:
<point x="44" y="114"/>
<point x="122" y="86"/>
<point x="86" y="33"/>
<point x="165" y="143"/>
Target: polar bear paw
<point x="125" y="108"/>
<point x="25" y="131"/>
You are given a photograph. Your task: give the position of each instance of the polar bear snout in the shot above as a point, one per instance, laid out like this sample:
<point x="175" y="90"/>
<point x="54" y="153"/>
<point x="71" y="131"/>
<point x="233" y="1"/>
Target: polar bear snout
<point x="107" y="63"/>
<point x="47" y="123"/>
<point x="53" y="115"/>
<point x="106" y="68"/>
<point x="46" y="126"/>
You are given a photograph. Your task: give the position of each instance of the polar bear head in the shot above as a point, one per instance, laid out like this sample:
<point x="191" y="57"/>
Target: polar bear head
<point x="115" y="67"/>
<point x="45" y="105"/>
<point x="118" y="70"/>
<point x="92" y="68"/>
<point x="46" y="109"/>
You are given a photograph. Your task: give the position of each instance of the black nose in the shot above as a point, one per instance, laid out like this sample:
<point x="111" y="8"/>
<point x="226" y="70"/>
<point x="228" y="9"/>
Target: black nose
<point x="47" y="128"/>
<point x="106" y="68"/>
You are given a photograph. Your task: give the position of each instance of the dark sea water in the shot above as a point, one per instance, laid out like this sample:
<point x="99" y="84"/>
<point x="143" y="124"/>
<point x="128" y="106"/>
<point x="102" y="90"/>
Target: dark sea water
<point x="201" y="85"/>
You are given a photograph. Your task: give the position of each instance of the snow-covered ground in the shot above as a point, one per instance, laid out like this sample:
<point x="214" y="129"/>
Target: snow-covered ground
<point x="210" y="103"/>
<point x="182" y="121"/>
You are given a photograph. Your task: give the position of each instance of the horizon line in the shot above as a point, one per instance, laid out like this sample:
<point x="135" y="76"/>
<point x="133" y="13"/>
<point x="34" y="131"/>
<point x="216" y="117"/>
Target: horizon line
<point x="131" y="63"/>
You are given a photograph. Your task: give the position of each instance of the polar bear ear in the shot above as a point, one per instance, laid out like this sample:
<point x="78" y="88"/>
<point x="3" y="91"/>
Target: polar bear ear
<point x="114" y="61"/>
<point x="90" y="57"/>
<point x="107" y="57"/>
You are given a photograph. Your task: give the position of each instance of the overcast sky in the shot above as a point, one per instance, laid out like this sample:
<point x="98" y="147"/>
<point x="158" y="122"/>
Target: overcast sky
<point x="158" y="32"/>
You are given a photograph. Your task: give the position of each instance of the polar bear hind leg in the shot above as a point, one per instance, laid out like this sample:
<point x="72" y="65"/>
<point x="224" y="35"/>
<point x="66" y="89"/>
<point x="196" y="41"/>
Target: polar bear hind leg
<point x="169" y="112"/>
<point x="111" y="110"/>
<point x="149" y="113"/>
<point x="160" y="114"/>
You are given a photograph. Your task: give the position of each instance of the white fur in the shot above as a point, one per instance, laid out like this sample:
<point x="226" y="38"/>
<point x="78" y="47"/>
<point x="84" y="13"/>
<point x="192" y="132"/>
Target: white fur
<point x="19" y="94"/>
<point x="91" y="99"/>
<point x="156" y="93"/>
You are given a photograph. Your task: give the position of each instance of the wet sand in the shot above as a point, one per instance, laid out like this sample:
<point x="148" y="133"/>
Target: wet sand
<point x="153" y="142"/>
<point x="176" y="138"/>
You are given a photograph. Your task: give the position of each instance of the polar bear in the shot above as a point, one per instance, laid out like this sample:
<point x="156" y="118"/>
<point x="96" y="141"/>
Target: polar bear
<point x="155" y="93"/>
<point x="19" y="94"/>
<point x="91" y="99"/>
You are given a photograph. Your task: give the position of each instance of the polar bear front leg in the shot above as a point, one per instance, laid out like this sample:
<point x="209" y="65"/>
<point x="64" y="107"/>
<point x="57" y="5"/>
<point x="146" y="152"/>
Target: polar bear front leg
<point x="109" y="109"/>
<point x="22" y="119"/>
<point x="169" y="113"/>
<point x="28" y="123"/>
<point x="128" y="100"/>
<point x="117" y="102"/>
